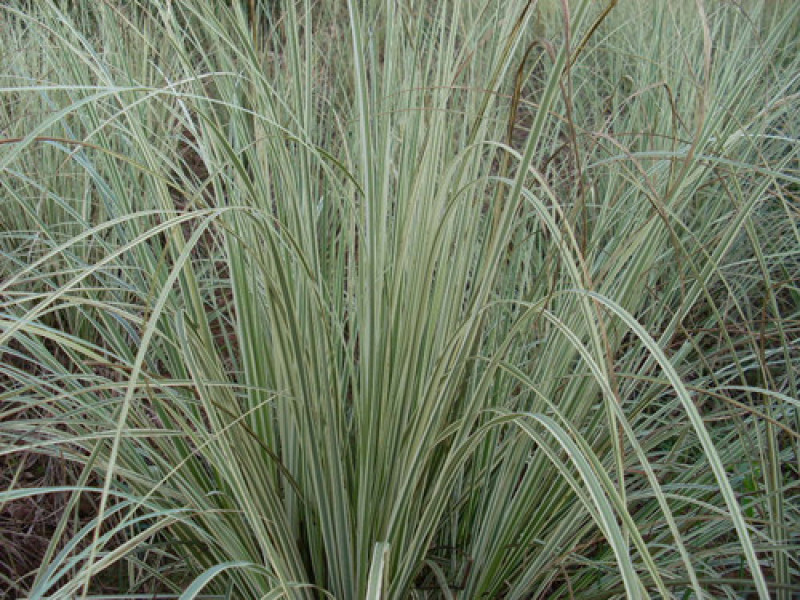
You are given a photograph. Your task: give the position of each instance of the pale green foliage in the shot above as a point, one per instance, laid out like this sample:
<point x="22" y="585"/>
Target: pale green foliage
<point x="407" y="299"/>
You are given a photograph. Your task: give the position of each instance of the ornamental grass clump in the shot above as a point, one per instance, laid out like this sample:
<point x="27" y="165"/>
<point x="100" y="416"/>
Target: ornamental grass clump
<point x="389" y="300"/>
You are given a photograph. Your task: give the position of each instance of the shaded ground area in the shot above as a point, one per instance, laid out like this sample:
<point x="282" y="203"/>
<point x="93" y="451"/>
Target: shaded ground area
<point x="27" y="525"/>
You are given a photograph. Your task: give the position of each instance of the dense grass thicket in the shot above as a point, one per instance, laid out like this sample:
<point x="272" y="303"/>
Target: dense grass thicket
<point x="402" y="299"/>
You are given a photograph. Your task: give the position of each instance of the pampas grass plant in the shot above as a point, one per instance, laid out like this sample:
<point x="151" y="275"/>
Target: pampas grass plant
<point x="388" y="300"/>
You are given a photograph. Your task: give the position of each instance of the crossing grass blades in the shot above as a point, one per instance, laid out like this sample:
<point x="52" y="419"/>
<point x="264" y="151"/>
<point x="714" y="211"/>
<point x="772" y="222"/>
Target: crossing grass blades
<point x="462" y="299"/>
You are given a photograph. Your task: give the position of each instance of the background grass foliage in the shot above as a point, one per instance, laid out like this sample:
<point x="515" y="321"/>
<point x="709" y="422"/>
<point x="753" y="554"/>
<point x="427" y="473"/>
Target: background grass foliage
<point x="461" y="299"/>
